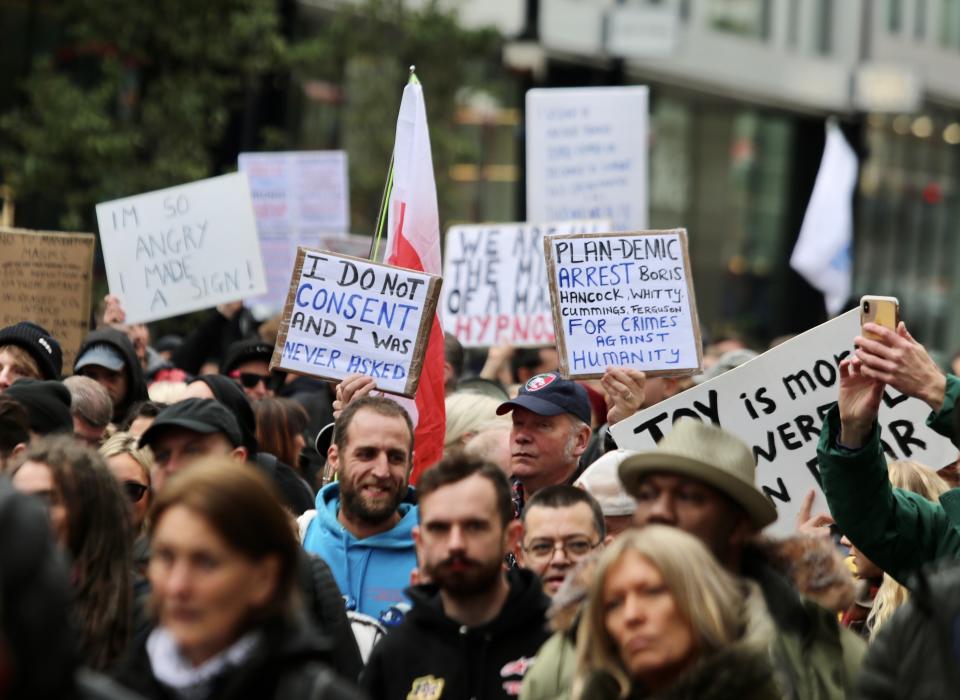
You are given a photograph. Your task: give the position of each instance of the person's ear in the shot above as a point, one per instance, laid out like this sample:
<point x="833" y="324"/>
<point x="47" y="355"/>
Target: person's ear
<point x="513" y="533"/>
<point x="607" y="540"/>
<point x="583" y="439"/>
<point x="239" y="454"/>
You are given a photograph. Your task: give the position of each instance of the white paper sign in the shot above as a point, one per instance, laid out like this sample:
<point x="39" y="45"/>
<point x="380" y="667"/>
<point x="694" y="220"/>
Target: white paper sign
<point x="297" y="196"/>
<point x="623" y="300"/>
<point x="181" y="249"/>
<point x="776" y="403"/>
<point x="495" y="282"/>
<point x="587" y="155"/>
<point x="345" y="315"/>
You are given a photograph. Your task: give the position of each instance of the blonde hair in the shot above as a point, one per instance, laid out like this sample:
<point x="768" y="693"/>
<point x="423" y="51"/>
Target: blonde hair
<point x="920" y="479"/>
<point x="121" y="443"/>
<point x="466" y="414"/>
<point x="707" y="596"/>
<point x="25" y="364"/>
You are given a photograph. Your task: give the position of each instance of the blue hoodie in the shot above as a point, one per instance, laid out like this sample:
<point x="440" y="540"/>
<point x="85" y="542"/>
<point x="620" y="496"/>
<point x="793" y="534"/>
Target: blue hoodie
<point x="373" y="572"/>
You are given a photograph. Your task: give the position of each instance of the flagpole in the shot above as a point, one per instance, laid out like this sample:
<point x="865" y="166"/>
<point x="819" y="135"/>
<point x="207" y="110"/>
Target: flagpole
<point x="387" y="192"/>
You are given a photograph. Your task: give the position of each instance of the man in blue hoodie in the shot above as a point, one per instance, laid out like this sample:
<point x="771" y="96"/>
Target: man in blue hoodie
<point x="364" y="521"/>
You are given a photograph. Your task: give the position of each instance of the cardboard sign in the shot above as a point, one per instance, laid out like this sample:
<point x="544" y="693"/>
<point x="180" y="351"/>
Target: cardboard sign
<point x="297" y="196"/>
<point x="495" y="282"/>
<point x="181" y="249"/>
<point x="346" y="315"/>
<point x="623" y="300"/>
<point x="776" y="403"/>
<point x="587" y="155"/>
<point x="47" y="278"/>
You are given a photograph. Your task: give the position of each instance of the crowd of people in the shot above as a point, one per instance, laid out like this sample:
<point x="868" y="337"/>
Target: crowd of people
<point x="181" y="522"/>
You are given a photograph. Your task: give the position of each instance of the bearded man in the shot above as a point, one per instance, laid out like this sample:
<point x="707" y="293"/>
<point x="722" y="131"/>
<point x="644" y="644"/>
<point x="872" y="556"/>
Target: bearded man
<point x="475" y="627"/>
<point x="363" y="527"/>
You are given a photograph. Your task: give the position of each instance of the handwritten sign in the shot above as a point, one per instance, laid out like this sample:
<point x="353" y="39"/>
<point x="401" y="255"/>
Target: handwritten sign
<point x="46" y="279"/>
<point x="297" y="196"/>
<point x="776" y="404"/>
<point x="181" y="249"/>
<point x="623" y="300"/>
<point x="345" y="315"/>
<point x="495" y="282"/>
<point x="587" y="155"/>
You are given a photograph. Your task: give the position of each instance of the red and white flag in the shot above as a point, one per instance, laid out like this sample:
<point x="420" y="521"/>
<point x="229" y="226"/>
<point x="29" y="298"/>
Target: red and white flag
<point x="413" y="242"/>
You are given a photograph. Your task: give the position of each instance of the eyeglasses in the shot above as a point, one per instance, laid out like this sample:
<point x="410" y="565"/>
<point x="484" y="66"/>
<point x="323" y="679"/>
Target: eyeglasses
<point x="573" y="547"/>
<point x="248" y="380"/>
<point x="135" y="490"/>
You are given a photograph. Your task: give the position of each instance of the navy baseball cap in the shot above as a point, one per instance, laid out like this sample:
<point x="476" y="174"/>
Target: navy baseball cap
<point x="549" y="394"/>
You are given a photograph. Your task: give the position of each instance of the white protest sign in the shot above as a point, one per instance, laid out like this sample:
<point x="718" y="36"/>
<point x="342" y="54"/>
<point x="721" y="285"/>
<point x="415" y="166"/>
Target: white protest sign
<point x="587" y="155"/>
<point x="495" y="282"/>
<point x="776" y="403"/>
<point x="181" y="249"/>
<point x="345" y="315"/>
<point x="623" y="300"/>
<point x="297" y="195"/>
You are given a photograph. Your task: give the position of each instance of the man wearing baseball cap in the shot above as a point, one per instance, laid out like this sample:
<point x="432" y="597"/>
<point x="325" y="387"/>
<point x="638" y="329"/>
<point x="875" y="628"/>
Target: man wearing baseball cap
<point x="189" y="430"/>
<point x="701" y="479"/>
<point x="108" y="357"/>
<point x="551" y="429"/>
<point x="248" y="362"/>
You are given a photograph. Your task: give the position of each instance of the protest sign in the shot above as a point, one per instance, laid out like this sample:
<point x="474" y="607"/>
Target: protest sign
<point x="297" y="195"/>
<point x="495" y="282"/>
<point x="776" y="403"/>
<point x="47" y="278"/>
<point x="346" y="315"/>
<point x="181" y="249"/>
<point x="623" y="300"/>
<point x="587" y="155"/>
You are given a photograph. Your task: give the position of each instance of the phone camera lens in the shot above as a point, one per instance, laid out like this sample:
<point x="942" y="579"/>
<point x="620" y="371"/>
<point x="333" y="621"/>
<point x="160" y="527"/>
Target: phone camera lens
<point x="866" y="307"/>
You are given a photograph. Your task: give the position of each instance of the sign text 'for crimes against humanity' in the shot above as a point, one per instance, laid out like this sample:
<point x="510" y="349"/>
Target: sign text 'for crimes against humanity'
<point x="623" y="300"/>
<point x="182" y="249"/>
<point x="495" y="282"/>
<point x="345" y="315"/>
<point x="776" y="404"/>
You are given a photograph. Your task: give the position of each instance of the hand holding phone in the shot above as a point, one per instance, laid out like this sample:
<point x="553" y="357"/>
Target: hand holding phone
<point x="884" y="311"/>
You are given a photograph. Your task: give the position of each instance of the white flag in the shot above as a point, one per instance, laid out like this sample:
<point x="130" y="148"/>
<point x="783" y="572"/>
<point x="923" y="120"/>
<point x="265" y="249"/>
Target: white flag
<point x="824" y="250"/>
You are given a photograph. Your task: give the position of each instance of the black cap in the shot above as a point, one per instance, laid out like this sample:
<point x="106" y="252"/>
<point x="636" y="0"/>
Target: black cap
<point x="244" y="351"/>
<point x="204" y="416"/>
<point x="37" y="341"/>
<point x="550" y="394"/>
<point x="229" y="393"/>
<point x="47" y="404"/>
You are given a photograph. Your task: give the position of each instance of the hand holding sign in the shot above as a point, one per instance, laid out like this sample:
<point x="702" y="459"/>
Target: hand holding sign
<point x="352" y="387"/>
<point x="345" y="316"/>
<point x="625" y="388"/>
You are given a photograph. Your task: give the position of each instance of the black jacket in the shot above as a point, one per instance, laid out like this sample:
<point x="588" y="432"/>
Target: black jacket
<point x="136" y="384"/>
<point x="916" y="654"/>
<point x="485" y="662"/>
<point x="289" y="662"/>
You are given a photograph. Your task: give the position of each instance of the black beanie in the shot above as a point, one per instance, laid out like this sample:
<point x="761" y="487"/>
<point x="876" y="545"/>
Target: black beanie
<point x="39" y="343"/>
<point x="47" y="404"/>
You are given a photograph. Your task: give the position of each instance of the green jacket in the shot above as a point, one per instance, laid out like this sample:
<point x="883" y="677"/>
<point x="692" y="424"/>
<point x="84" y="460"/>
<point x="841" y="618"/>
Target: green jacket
<point x="898" y="530"/>
<point x="812" y="656"/>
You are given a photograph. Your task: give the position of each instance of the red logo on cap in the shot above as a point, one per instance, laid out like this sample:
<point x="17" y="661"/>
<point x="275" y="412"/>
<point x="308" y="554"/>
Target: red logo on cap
<point x="540" y="381"/>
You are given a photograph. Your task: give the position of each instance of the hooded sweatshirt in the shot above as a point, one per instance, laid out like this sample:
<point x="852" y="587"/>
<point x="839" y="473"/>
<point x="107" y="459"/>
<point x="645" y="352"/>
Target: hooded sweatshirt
<point x="432" y="656"/>
<point x="372" y="572"/>
<point x="136" y="384"/>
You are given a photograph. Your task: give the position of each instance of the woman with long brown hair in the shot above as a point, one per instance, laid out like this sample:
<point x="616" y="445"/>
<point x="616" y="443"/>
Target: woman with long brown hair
<point x="90" y="521"/>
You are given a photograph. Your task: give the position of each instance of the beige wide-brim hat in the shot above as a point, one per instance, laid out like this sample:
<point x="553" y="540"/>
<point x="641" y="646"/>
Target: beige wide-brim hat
<point x="708" y="454"/>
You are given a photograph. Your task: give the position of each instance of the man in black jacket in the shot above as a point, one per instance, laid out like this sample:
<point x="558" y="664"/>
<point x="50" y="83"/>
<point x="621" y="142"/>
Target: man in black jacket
<point x="475" y="628"/>
<point x="107" y="356"/>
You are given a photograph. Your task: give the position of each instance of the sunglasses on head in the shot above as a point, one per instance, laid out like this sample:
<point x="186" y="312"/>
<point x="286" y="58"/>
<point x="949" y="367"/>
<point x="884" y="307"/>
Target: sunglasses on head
<point x="135" y="490"/>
